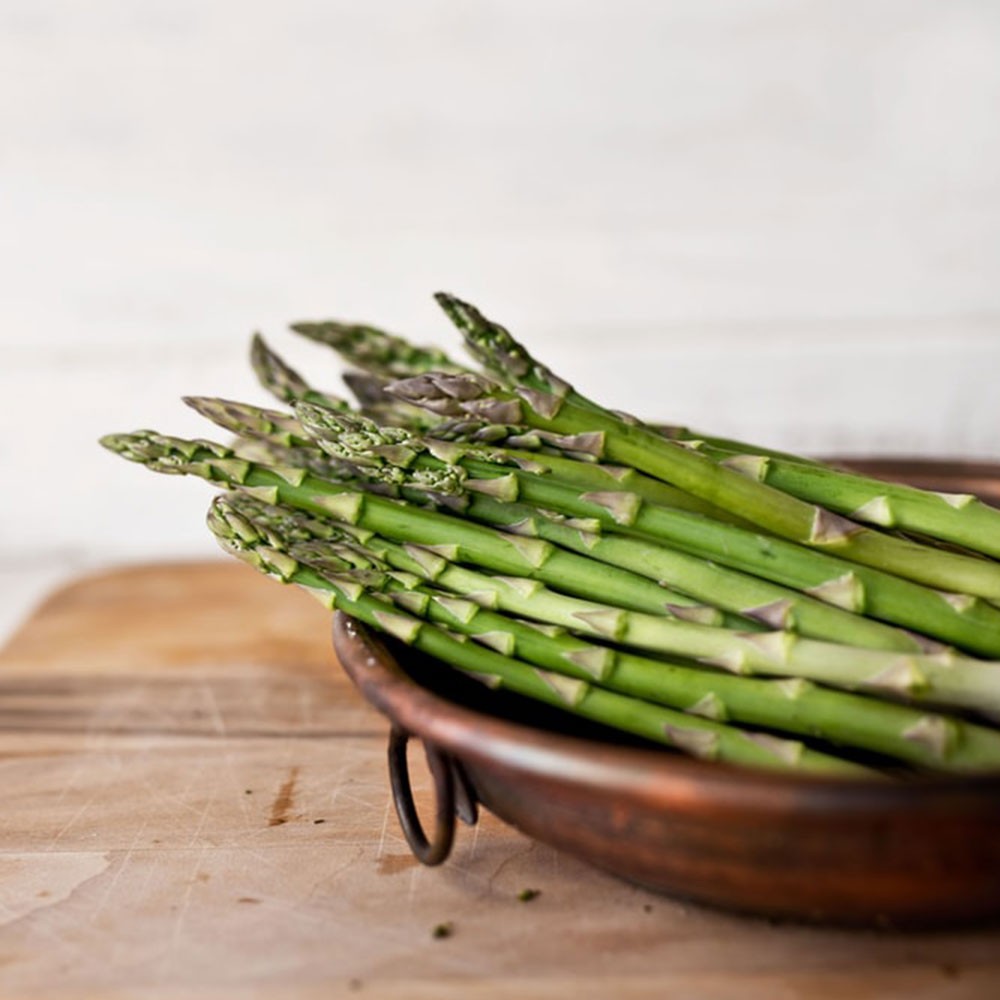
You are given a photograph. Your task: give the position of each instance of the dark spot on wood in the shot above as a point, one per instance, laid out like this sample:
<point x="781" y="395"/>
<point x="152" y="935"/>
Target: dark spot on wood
<point x="443" y="930"/>
<point x="527" y="895"/>
<point x="354" y="984"/>
<point x="284" y="800"/>
<point x="44" y="894"/>
<point x="950" y="970"/>
<point x="391" y="864"/>
<point x="247" y="899"/>
<point x="203" y="876"/>
<point x="248" y="791"/>
<point x="318" y="821"/>
<point x="647" y="907"/>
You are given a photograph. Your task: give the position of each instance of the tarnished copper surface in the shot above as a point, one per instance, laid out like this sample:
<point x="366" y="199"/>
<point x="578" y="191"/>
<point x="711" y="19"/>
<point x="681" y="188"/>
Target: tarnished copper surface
<point x="911" y="853"/>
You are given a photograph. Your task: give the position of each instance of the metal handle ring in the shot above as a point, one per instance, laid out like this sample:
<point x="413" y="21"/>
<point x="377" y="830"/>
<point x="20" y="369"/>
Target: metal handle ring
<point x="428" y="852"/>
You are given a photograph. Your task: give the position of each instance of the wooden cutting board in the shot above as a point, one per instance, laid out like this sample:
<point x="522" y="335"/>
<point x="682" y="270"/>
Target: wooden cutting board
<point x="195" y="804"/>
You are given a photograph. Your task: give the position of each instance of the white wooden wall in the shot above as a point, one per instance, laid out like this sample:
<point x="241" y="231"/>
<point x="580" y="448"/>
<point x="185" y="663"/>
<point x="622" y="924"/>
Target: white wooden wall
<point x="772" y="218"/>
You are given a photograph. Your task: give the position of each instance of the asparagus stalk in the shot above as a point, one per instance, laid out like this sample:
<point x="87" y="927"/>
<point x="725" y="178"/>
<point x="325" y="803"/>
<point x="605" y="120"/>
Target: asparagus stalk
<point x="800" y="707"/>
<point x="705" y="738"/>
<point x="491" y="488"/>
<point x="376" y="403"/>
<point x="471" y="431"/>
<point x="693" y="439"/>
<point x="569" y="461"/>
<point x="468" y="542"/>
<point x="375" y="351"/>
<point x="958" y="518"/>
<point x="968" y="623"/>
<point x="283" y="381"/>
<point x="944" y="678"/>
<point x="543" y="400"/>
<point x="248" y="420"/>
<point x="252" y="421"/>
<point x="694" y="572"/>
<point x="763" y="601"/>
<point x="381" y="355"/>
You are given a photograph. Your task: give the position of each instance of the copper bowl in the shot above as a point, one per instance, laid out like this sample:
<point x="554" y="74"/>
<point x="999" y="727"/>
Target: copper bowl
<point x="917" y="853"/>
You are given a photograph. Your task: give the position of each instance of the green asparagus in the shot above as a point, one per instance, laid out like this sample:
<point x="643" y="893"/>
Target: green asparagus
<point x="958" y="518"/>
<point x="283" y="381"/>
<point x="832" y="588"/>
<point x="942" y="678"/>
<point x="543" y="400"/>
<point x="375" y="351"/>
<point x="705" y="738"/>
<point x="668" y="584"/>
<point x="800" y="707"/>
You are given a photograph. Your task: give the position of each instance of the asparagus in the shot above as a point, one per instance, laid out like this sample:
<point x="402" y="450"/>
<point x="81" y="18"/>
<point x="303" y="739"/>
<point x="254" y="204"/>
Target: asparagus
<point x="248" y="420"/>
<point x="800" y="707"/>
<point x="562" y="456"/>
<point x="958" y="518"/>
<point x="381" y="356"/>
<point x="490" y="489"/>
<point x="694" y="439"/>
<point x="283" y="381"/>
<point x="968" y="623"/>
<point x="375" y="402"/>
<point x="369" y="390"/>
<point x="704" y="738"/>
<point x="756" y="600"/>
<point x="543" y="400"/>
<point x="943" y="678"/>
<point x="252" y="421"/>
<point x="375" y="351"/>
<point x="599" y="511"/>
<point x="488" y="547"/>
<point x="289" y="386"/>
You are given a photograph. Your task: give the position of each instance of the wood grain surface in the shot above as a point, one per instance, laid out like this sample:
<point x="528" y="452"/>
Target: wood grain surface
<point x="195" y="804"/>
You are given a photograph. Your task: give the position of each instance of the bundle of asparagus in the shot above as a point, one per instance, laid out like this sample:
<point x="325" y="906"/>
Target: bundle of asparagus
<point x="732" y="602"/>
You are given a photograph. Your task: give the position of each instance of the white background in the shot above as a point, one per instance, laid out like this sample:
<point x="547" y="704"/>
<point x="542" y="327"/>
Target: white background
<point x="773" y="219"/>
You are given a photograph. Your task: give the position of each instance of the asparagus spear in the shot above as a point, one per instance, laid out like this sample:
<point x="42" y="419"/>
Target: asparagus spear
<point x="382" y="356"/>
<point x="283" y="381"/>
<point x="375" y="402"/>
<point x="252" y="421"/>
<point x="490" y="488"/>
<point x="248" y="420"/>
<point x="795" y="706"/>
<point x="344" y="589"/>
<point x="750" y="599"/>
<point x="943" y="678"/>
<point x="967" y="623"/>
<point x="562" y="456"/>
<point x="375" y="351"/>
<point x="543" y="400"/>
<point x="470" y="542"/>
<point x="693" y="439"/>
<point x="958" y="518"/>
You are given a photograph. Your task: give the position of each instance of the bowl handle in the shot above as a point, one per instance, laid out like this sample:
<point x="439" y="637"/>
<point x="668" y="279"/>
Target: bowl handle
<point x="452" y="794"/>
